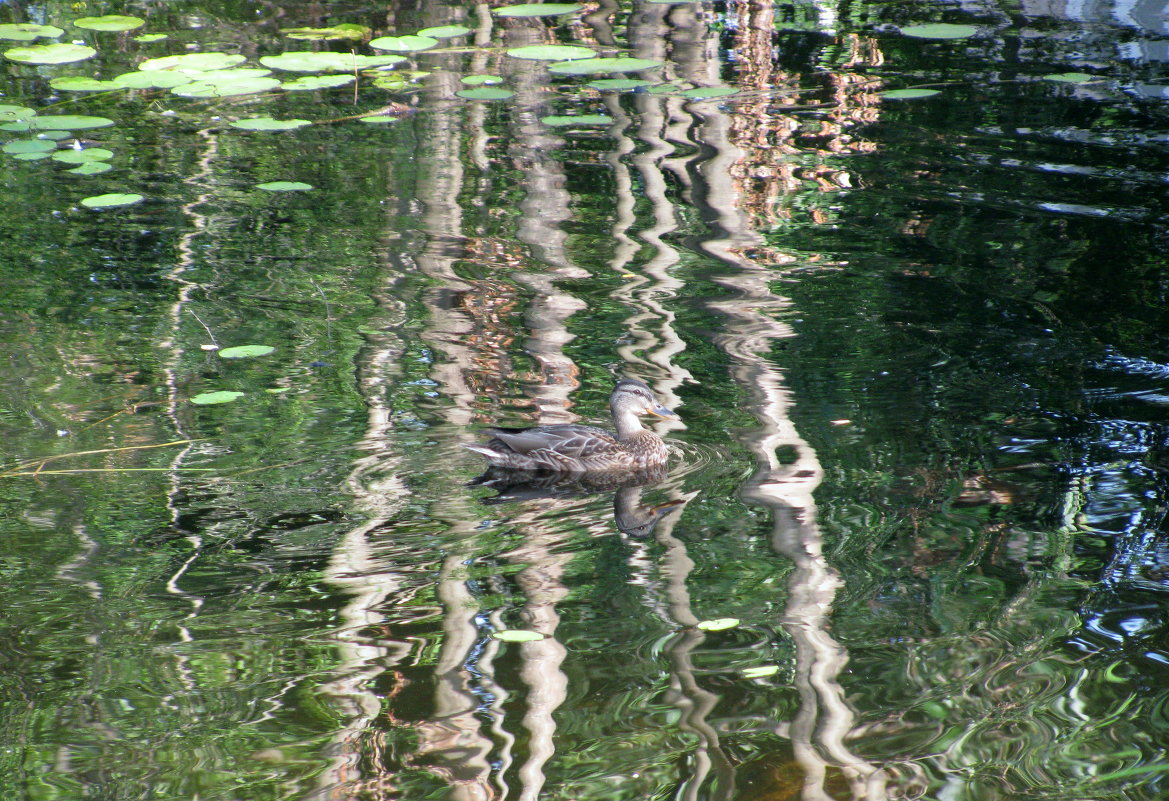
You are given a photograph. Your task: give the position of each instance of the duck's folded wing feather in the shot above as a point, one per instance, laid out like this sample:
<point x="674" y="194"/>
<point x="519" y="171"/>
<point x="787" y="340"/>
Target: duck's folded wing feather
<point x="577" y="442"/>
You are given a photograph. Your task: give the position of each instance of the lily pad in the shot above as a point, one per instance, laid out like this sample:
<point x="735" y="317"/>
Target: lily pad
<point x="231" y="75"/>
<point x="307" y="61"/>
<point x="66" y="122"/>
<point x="193" y="61"/>
<point x="481" y="80"/>
<point x="579" y="119"/>
<point x="485" y="93"/>
<point x="83" y="156"/>
<point x="403" y="44"/>
<point x="909" y="94"/>
<point x="58" y="53"/>
<point x="30" y="156"/>
<point x="10" y="113"/>
<point x="719" y="624"/>
<point x="247" y="86"/>
<point x="54" y="135"/>
<point x="1070" y="77"/>
<point x="618" y="84"/>
<point x="536" y="9"/>
<point x="600" y="66"/>
<point x="110" y="22"/>
<point x="308" y="83"/>
<point x="27" y="32"/>
<point x="343" y="31"/>
<point x="155" y="79"/>
<point x="29" y="146"/>
<point x="285" y="186"/>
<point x="551" y="52"/>
<point x="517" y="635"/>
<point x="245" y="351"/>
<point x="111" y="200"/>
<point x="210" y="398"/>
<point x="91" y="168"/>
<point x="708" y="92"/>
<point x="760" y="672"/>
<point x="78" y="83"/>
<point x="269" y="124"/>
<point x="147" y="38"/>
<point x="378" y="119"/>
<point x="444" y="31"/>
<point x="940" y="30"/>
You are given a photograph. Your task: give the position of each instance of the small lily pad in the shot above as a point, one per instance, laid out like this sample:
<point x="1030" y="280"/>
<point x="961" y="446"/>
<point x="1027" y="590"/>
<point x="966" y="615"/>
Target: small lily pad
<point x="308" y="61"/>
<point x="618" y="84"/>
<point x="707" y="92"/>
<point x="10" y="113"/>
<point x="155" y="79"/>
<point x="551" y="52"/>
<point x="444" y="31"/>
<point x="58" y="53"/>
<point x="940" y="30"/>
<point x="517" y="635"/>
<point x="485" y="93"/>
<point x="308" y="83"/>
<point x="67" y="122"/>
<point x="147" y="38"/>
<point x="193" y="61"/>
<point x="111" y="200"/>
<point x="403" y="44"/>
<point x="269" y="124"/>
<point x="231" y="75"/>
<point x="578" y="119"/>
<point x="110" y="22"/>
<point x="284" y="186"/>
<point x="91" y="168"/>
<point x="204" y="89"/>
<point x="31" y="156"/>
<point x="78" y="83"/>
<point x="536" y="9"/>
<point x="378" y="119"/>
<point x="83" y="156"/>
<point x="343" y="31"/>
<point x="27" y="32"/>
<point x="56" y="136"/>
<point x="719" y="624"/>
<point x="29" y="146"/>
<point x="481" y="80"/>
<point x="909" y="94"/>
<point x="222" y="396"/>
<point x="245" y="351"/>
<point x="600" y="66"/>
<point x="760" y="672"/>
<point x="1070" y="77"/>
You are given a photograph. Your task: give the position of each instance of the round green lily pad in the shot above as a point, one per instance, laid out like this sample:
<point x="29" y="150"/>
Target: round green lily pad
<point x="111" y="200"/>
<point x="481" y="80"/>
<point x="246" y="86"/>
<point x="30" y="156"/>
<point x="29" y="146"/>
<point x="308" y="61"/>
<point x="91" y="168"/>
<point x="83" y="156"/>
<point x="485" y="93"/>
<point x="58" y="53"/>
<point x="517" y="635"/>
<point x="110" y="22"/>
<point x="245" y="351"/>
<point x="345" y="30"/>
<point x="284" y="186"/>
<point x="54" y="135"/>
<point x="579" y="119"/>
<point x="600" y="66"/>
<point x="707" y="92"/>
<point x="222" y="396"/>
<point x="66" y="122"/>
<point x="444" y="31"/>
<point x="536" y="9"/>
<point x="618" y="84"/>
<point x="403" y="44"/>
<point x="231" y="75"/>
<point x="1070" y="77"/>
<point x="309" y="83"/>
<point x="378" y="119"/>
<point x="940" y="30"/>
<point x="147" y="38"/>
<point x="909" y="94"/>
<point x="78" y="83"/>
<point x="193" y="61"/>
<point x="269" y="124"/>
<point x="719" y="624"/>
<point x="27" y="32"/>
<point x="153" y="79"/>
<point x="9" y="113"/>
<point x="551" y="52"/>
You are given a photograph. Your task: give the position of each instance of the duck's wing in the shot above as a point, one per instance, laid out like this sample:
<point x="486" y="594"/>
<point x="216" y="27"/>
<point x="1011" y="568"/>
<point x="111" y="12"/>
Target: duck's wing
<point x="572" y="441"/>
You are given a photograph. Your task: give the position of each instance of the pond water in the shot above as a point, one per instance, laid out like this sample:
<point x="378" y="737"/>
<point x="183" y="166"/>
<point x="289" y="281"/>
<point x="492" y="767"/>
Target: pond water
<point x="905" y="287"/>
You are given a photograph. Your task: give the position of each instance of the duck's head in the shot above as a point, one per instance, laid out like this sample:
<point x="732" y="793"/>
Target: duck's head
<point x="633" y="396"/>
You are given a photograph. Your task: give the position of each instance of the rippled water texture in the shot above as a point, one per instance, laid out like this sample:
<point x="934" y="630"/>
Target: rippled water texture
<point x="911" y="541"/>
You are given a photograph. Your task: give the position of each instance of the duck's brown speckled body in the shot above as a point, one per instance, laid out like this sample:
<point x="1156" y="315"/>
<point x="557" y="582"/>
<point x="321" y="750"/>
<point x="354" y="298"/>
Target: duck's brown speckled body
<point x="584" y="449"/>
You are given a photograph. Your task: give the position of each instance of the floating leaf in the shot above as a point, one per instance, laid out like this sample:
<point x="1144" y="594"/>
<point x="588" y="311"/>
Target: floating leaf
<point x="54" y="135"/>
<point x="83" y="156"/>
<point x="248" y="86"/>
<point x="13" y="113"/>
<point x="940" y="30"/>
<point x="111" y="200"/>
<point x="30" y="156"/>
<point x="50" y="54"/>
<point x="760" y="672"/>
<point x="277" y="390"/>
<point x="268" y="124"/>
<point x="909" y="94"/>
<point x="91" y="168"/>
<point x="146" y="38"/>
<point x="719" y="624"/>
<point x="403" y="44"/>
<point x="345" y="30"/>
<point x="618" y="84"/>
<point x="707" y="92"/>
<point x="78" y="83"/>
<point x="308" y="83"/>
<point x="517" y="635"/>
<point x="551" y="52"/>
<point x="600" y="66"/>
<point x="284" y="186"/>
<point x="29" y="146"/>
<point x="579" y="119"/>
<point x="222" y="396"/>
<point x="378" y="119"/>
<point x="63" y="122"/>
<point x="110" y="22"/>
<point x="193" y="61"/>
<point x="1070" y="77"/>
<point x="481" y="80"/>
<point x="444" y="31"/>
<point x="231" y="75"/>
<point x="245" y="351"/>
<point x="27" y="32"/>
<point x="485" y="93"/>
<point x="155" y="79"/>
<point x="536" y="9"/>
<point x="307" y="61"/>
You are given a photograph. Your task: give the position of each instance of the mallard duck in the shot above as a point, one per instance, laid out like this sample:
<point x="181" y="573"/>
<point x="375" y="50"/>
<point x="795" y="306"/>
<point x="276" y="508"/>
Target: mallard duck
<point x="577" y="448"/>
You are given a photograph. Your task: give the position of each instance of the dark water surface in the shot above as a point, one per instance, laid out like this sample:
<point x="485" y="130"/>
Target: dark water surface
<point x="918" y="348"/>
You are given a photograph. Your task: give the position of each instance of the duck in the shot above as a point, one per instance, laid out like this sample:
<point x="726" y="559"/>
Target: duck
<point x="575" y="448"/>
